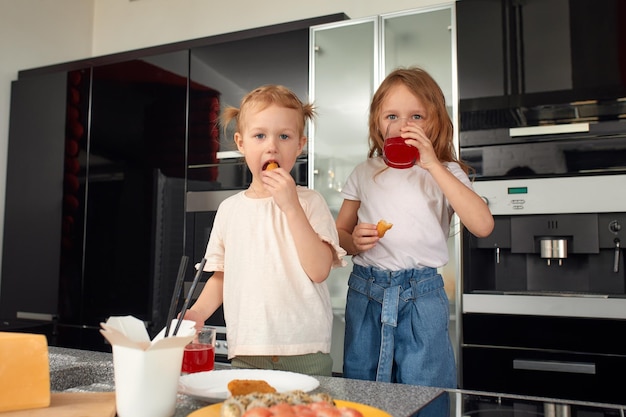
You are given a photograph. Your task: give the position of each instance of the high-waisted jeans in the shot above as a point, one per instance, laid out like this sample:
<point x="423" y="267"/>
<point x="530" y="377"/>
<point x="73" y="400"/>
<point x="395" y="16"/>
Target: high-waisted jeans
<point x="397" y="328"/>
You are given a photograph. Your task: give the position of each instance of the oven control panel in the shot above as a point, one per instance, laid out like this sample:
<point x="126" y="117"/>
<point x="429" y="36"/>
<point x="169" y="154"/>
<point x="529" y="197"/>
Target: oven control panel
<point x="588" y="194"/>
<point x="221" y="346"/>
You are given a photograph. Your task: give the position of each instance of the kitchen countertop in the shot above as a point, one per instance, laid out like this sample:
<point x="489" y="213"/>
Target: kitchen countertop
<point x="73" y="370"/>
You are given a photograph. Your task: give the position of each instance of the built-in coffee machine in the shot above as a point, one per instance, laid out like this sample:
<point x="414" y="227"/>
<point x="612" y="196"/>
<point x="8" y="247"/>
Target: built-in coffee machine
<point x="544" y="296"/>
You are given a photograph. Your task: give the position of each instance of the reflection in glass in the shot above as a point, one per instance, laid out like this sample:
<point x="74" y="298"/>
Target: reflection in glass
<point x="125" y="173"/>
<point x="221" y="75"/>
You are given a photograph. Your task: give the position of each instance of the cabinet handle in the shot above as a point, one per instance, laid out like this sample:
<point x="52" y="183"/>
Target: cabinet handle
<point x="616" y="257"/>
<point x="555" y="366"/>
<point x="27" y="315"/>
<point x="548" y="129"/>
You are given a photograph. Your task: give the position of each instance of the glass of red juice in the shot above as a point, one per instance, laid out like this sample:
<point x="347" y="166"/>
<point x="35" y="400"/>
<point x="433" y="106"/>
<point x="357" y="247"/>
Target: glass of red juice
<point x="396" y="153"/>
<point x="199" y="354"/>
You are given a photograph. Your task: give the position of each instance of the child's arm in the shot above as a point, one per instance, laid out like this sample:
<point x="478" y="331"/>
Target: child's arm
<point x="316" y="256"/>
<point x="354" y="237"/>
<point x="209" y="300"/>
<point x="471" y="209"/>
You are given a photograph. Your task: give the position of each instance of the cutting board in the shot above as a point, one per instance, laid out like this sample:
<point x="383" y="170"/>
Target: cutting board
<point x="72" y="404"/>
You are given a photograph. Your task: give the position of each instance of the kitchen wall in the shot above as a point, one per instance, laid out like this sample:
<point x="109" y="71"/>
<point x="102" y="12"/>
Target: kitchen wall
<point x="36" y="33"/>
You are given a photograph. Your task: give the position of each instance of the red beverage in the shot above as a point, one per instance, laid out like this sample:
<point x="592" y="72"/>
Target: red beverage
<point x="398" y="154"/>
<point x="198" y="357"/>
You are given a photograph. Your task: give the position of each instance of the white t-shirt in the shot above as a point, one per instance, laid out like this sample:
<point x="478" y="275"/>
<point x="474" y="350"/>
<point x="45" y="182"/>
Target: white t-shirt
<point x="412" y="201"/>
<point x="271" y="307"/>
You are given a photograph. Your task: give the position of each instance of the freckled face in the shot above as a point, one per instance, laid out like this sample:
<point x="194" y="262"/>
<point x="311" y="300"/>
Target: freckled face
<point x="271" y="134"/>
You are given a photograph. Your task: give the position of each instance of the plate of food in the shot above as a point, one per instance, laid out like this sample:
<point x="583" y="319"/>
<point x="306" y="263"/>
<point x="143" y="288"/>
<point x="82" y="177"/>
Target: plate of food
<point x="322" y="408"/>
<point x="213" y="386"/>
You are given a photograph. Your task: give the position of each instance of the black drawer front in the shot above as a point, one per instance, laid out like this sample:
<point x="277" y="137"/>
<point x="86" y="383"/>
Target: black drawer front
<point x="592" y="336"/>
<point x="566" y="376"/>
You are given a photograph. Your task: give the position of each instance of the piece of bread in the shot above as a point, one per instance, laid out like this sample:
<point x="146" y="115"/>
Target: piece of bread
<point x="382" y="227"/>
<point x="248" y="386"/>
<point x="271" y="166"/>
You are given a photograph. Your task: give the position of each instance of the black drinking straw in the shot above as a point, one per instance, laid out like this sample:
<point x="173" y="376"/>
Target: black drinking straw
<point x="177" y="291"/>
<point x="189" y="295"/>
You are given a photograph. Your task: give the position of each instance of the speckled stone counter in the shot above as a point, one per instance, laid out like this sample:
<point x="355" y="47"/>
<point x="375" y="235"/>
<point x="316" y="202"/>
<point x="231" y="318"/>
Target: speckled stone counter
<point x="80" y="370"/>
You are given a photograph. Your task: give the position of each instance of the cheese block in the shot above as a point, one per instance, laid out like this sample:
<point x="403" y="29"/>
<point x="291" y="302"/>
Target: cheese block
<point x="24" y="371"/>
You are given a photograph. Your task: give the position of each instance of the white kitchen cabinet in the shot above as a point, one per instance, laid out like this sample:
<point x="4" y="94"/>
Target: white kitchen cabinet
<point x="348" y="60"/>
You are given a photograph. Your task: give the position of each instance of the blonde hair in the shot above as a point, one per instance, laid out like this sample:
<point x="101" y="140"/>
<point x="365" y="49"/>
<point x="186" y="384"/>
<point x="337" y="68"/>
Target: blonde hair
<point x="263" y="97"/>
<point x="438" y="126"/>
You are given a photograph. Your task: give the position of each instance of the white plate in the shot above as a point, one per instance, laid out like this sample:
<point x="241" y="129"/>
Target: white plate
<point x="213" y="385"/>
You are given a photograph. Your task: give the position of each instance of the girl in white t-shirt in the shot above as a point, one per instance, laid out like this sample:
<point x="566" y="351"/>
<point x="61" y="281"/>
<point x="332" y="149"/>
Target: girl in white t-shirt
<point x="397" y="310"/>
<point x="272" y="246"/>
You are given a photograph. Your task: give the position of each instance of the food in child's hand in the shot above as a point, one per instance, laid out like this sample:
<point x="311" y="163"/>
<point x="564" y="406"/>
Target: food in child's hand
<point x="272" y="165"/>
<point x="247" y="386"/>
<point x="382" y="226"/>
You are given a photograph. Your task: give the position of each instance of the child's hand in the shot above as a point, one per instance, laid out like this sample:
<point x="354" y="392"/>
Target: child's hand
<point x="282" y="187"/>
<point x="364" y="236"/>
<point x="417" y="137"/>
<point x="193" y="316"/>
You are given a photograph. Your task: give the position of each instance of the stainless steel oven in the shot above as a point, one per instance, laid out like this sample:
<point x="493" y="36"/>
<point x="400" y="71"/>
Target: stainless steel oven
<point x="201" y="207"/>
<point x="544" y="296"/>
<point x="577" y="149"/>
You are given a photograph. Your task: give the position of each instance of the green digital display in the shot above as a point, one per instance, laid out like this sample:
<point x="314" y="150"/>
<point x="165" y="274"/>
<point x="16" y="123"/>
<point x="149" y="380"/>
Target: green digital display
<point x="518" y="190"/>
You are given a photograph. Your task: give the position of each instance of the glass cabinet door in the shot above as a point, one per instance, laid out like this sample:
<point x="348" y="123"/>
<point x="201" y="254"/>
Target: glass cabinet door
<point x="420" y="38"/>
<point x="343" y="75"/>
<point x="424" y="38"/>
<point x="345" y="71"/>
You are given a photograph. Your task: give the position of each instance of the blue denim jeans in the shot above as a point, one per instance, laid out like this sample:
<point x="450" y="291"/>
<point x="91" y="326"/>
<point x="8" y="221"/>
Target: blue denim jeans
<point x="397" y="328"/>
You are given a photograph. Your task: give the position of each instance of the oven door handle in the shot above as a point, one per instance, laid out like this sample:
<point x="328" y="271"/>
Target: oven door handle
<point x="549" y="130"/>
<point x="555" y="366"/>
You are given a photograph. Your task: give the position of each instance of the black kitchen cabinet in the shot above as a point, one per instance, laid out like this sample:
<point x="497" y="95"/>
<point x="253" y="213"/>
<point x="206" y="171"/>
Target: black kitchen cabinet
<point x="32" y="226"/>
<point x="101" y="154"/>
<point x="533" y="62"/>
<point x="114" y="262"/>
